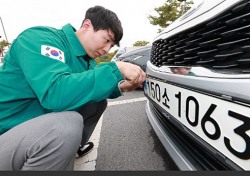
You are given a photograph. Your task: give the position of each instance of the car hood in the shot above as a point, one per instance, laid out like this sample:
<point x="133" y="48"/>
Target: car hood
<point x="201" y="11"/>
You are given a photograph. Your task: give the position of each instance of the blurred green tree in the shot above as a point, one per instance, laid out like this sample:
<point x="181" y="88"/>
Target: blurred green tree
<point x="106" y="58"/>
<point x="141" y="43"/>
<point x="169" y="12"/>
<point x="3" y="44"/>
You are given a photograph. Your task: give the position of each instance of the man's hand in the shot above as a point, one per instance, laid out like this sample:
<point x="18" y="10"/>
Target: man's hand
<point x="127" y="87"/>
<point x="133" y="75"/>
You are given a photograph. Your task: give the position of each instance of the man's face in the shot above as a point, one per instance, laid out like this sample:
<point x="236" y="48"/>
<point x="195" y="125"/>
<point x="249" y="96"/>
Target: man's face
<point x="97" y="43"/>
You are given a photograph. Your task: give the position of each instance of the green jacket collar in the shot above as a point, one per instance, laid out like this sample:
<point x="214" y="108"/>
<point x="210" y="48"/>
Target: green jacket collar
<point x="75" y="44"/>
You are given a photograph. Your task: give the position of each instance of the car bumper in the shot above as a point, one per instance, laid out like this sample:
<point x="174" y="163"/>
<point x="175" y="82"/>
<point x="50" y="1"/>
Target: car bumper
<point x="166" y="139"/>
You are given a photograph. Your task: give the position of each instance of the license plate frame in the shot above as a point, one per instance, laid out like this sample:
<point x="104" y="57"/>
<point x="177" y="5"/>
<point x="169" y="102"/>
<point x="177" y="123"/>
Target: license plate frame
<point x="211" y="118"/>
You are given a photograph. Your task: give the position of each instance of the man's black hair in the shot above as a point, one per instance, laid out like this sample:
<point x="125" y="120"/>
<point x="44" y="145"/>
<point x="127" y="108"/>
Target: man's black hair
<point x="104" y="19"/>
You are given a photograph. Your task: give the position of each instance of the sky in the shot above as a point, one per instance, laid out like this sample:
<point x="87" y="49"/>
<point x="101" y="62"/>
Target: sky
<point x="17" y="15"/>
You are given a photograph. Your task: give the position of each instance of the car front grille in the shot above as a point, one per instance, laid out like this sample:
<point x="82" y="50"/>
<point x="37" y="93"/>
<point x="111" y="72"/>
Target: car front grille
<point x="222" y="43"/>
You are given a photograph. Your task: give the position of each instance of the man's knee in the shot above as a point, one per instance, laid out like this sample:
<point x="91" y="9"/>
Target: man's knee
<point x="52" y="138"/>
<point x="67" y="135"/>
<point x="70" y="126"/>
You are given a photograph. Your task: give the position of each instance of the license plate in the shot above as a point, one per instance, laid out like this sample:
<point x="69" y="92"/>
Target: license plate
<point x="224" y="125"/>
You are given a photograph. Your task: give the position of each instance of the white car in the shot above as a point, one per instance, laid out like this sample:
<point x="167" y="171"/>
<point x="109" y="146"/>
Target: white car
<point x="198" y="80"/>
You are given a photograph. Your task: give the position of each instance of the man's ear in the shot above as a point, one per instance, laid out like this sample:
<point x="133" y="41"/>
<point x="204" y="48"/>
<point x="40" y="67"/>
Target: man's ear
<point x="86" y="23"/>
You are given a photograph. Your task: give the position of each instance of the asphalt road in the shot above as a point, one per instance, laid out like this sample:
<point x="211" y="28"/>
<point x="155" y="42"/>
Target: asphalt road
<point x="127" y="140"/>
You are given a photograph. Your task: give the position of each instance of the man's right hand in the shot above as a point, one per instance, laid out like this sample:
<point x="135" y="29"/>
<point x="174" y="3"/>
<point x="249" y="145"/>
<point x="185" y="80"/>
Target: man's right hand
<point x="133" y="75"/>
<point x="127" y="87"/>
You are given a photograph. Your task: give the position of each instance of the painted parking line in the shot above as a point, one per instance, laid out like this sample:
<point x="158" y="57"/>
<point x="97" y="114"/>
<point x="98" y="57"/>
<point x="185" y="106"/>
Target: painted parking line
<point x="88" y="162"/>
<point x="126" y="101"/>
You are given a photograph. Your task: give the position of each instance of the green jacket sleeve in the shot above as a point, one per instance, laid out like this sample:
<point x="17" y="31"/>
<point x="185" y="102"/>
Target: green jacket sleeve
<point x="54" y="83"/>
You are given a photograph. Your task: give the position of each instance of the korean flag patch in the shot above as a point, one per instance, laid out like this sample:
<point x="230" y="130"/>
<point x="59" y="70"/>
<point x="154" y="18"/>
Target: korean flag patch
<point x="53" y="53"/>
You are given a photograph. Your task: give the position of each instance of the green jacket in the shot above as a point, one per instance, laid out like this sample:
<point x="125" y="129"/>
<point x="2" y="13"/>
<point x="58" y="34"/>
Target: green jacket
<point x="44" y="71"/>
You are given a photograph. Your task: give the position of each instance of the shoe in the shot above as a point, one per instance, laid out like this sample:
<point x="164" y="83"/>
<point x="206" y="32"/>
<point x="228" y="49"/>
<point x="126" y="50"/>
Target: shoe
<point x="85" y="149"/>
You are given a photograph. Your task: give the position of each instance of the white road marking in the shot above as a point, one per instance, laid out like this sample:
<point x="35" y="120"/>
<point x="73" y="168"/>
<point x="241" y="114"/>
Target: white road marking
<point x="126" y="101"/>
<point x="88" y="162"/>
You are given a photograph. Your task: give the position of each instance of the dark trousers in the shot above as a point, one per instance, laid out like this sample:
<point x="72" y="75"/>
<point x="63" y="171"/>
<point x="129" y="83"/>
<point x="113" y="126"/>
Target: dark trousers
<point x="91" y="114"/>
